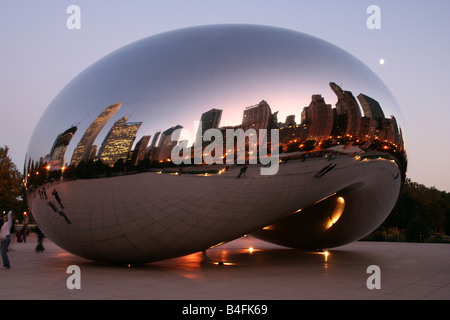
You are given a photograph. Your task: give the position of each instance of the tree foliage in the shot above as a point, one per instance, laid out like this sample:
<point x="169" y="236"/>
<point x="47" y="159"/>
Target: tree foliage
<point x="11" y="183"/>
<point x="421" y="210"/>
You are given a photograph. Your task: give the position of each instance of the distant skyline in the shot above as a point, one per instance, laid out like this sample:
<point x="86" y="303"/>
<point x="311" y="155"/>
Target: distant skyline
<point x="41" y="55"/>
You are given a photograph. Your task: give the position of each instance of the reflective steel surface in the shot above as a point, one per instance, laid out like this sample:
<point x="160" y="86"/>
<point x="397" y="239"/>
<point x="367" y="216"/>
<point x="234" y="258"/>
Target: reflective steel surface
<point x="139" y="158"/>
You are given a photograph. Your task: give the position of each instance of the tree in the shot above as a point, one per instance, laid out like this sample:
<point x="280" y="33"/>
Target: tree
<point x="447" y="223"/>
<point x="420" y="210"/>
<point x="11" y="183"/>
<point x="416" y="230"/>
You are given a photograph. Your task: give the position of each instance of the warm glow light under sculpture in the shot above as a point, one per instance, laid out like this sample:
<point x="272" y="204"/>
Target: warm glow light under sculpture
<point x="101" y="178"/>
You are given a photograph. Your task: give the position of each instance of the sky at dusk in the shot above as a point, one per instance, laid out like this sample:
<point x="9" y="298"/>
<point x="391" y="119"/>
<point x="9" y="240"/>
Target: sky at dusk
<point x="40" y="55"/>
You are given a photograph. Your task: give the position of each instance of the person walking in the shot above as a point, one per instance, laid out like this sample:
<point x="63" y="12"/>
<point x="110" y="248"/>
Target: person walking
<point x="39" y="247"/>
<point x="6" y="239"/>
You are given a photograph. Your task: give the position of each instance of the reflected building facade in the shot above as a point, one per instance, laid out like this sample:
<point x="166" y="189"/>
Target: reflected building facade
<point x="140" y="150"/>
<point x="166" y="144"/>
<point x="341" y="125"/>
<point x="59" y="148"/>
<point x="259" y="116"/>
<point x="118" y="142"/>
<point x="209" y="120"/>
<point x="152" y="149"/>
<point x="83" y="149"/>
<point x="318" y="118"/>
<point x="371" y="109"/>
<point x="348" y="113"/>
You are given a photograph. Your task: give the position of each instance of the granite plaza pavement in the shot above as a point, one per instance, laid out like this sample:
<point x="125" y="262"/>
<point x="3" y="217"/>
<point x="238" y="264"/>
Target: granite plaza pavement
<point x="234" y="271"/>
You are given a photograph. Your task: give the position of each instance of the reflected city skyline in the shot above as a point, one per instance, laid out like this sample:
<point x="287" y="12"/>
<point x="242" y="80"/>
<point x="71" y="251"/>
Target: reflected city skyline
<point x="322" y="127"/>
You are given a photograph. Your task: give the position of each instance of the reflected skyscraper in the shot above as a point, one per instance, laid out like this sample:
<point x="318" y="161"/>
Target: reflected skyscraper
<point x="83" y="149"/>
<point x="258" y="116"/>
<point x="166" y="144"/>
<point x="118" y="141"/>
<point x="319" y="116"/>
<point x="386" y="133"/>
<point x="348" y="113"/>
<point x="368" y="128"/>
<point x="59" y="148"/>
<point x="93" y="153"/>
<point x="154" y="140"/>
<point x="140" y="150"/>
<point x="371" y="109"/>
<point x="396" y="139"/>
<point x="209" y="120"/>
<point x="151" y="151"/>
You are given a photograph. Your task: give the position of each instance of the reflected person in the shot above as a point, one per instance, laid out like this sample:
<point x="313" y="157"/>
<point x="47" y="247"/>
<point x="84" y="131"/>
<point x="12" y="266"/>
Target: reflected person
<point x="52" y="205"/>
<point x="324" y="171"/>
<point x="56" y="195"/>
<point x="242" y="171"/>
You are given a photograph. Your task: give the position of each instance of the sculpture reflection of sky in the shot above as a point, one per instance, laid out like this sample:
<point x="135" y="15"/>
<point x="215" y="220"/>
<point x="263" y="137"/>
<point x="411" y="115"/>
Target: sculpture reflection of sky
<point x="174" y="77"/>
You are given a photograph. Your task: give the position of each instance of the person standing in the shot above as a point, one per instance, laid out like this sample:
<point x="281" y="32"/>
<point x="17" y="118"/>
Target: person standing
<point x="6" y="239"/>
<point x="23" y="232"/>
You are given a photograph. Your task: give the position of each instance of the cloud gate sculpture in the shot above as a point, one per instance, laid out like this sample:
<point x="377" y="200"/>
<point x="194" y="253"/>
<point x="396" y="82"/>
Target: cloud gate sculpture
<point x="194" y="137"/>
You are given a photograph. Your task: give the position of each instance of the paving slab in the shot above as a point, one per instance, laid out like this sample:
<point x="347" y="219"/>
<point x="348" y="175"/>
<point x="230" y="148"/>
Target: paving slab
<point x="243" y="269"/>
